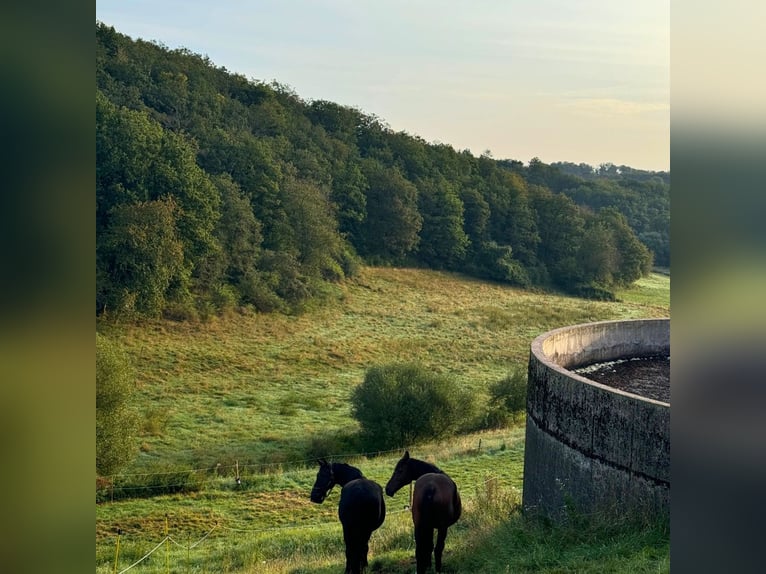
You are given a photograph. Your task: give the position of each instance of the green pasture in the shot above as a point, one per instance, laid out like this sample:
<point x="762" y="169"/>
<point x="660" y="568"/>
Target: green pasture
<point x="259" y="397"/>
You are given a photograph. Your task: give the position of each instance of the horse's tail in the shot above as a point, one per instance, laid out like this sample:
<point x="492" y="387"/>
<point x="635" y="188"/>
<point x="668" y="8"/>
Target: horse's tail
<point x="428" y="498"/>
<point x="456" y="504"/>
<point x="382" y="508"/>
<point x="427" y="508"/>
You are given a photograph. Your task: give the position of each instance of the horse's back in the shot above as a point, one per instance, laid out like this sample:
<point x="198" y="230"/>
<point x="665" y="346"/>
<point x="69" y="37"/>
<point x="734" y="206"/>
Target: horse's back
<point x="362" y="504"/>
<point x="435" y="501"/>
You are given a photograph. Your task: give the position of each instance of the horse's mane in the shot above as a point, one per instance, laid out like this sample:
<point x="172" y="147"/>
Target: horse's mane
<point x="345" y="472"/>
<point x="422" y="464"/>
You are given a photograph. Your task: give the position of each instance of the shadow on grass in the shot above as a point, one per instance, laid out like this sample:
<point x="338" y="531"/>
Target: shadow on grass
<point x="525" y="545"/>
<point x="583" y="545"/>
<point x="382" y="565"/>
<point x="267" y="457"/>
<point x="391" y="552"/>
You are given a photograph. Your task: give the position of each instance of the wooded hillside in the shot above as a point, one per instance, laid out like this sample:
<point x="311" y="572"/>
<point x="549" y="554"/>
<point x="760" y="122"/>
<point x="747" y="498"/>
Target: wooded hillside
<point x="214" y="190"/>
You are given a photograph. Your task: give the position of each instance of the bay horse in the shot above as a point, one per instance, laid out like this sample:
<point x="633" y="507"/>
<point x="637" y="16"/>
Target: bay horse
<point x="362" y="508"/>
<point x="435" y="505"/>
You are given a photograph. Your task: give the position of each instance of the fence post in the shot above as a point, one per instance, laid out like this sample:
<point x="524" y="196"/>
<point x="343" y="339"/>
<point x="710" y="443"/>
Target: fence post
<point x="205" y="560"/>
<point x="167" y="548"/>
<point x="117" y="550"/>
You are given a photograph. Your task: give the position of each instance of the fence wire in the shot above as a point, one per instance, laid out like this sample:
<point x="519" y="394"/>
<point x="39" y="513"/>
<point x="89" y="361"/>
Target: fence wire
<point x="291" y="465"/>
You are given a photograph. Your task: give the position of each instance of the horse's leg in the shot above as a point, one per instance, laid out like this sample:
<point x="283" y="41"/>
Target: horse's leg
<point x="441" y="538"/>
<point x="424" y="545"/>
<point x="364" y="549"/>
<point x="348" y="537"/>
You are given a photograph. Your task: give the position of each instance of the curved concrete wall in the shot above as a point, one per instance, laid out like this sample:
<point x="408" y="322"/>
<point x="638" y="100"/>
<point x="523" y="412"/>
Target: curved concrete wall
<point x="589" y="445"/>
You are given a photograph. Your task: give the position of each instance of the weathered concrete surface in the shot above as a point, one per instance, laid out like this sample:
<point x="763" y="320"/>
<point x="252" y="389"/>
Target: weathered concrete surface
<point x="589" y="445"/>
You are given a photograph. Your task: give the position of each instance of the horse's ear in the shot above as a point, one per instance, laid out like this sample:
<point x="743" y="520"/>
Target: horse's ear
<point x="322" y="462"/>
<point x="406" y="454"/>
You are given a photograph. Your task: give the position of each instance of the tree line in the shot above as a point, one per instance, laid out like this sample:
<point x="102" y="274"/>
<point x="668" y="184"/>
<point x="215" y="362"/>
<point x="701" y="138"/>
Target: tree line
<point x="215" y="191"/>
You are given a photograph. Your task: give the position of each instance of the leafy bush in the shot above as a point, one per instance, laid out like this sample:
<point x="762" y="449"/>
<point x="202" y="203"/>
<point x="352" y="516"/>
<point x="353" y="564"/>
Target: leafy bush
<point x="497" y="262"/>
<point x="595" y="292"/>
<point x="116" y="421"/>
<point x="508" y="398"/>
<point x="400" y="404"/>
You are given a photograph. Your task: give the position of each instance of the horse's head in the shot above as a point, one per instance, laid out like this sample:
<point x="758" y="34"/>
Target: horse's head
<point x="401" y="475"/>
<point x="324" y="482"/>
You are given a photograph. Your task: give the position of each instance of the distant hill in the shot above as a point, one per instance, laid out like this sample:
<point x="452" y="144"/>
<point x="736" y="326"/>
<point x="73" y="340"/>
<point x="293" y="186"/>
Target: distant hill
<point x="610" y="171"/>
<point x="216" y="191"/>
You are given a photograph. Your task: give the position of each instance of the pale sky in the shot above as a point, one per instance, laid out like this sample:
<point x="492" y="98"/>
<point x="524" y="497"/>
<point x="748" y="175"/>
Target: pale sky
<point x="562" y="80"/>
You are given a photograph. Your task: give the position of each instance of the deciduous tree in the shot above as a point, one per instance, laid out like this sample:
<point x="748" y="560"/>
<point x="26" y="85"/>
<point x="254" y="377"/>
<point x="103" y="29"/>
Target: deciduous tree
<point x="116" y="420"/>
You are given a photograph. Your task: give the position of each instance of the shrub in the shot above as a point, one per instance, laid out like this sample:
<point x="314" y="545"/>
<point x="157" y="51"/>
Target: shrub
<point x="350" y="262"/>
<point x="595" y="292"/>
<point x="400" y="404"/>
<point x="116" y="421"/>
<point x="258" y="290"/>
<point x="180" y="311"/>
<point x="508" y="398"/>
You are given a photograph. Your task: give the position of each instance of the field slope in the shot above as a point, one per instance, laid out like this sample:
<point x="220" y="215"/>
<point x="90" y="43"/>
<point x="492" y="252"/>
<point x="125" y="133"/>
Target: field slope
<point x="236" y="409"/>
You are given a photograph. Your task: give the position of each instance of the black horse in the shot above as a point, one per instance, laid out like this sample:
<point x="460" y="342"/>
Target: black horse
<point x="435" y="505"/>
<point x="361" y="510"/>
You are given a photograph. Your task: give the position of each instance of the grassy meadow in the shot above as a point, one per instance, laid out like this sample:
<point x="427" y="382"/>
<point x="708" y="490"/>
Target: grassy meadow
<point x="235" y="411"/>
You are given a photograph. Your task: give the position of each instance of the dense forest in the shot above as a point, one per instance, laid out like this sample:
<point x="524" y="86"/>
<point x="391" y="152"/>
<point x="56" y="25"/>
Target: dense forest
<point x="215" y="191"/>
